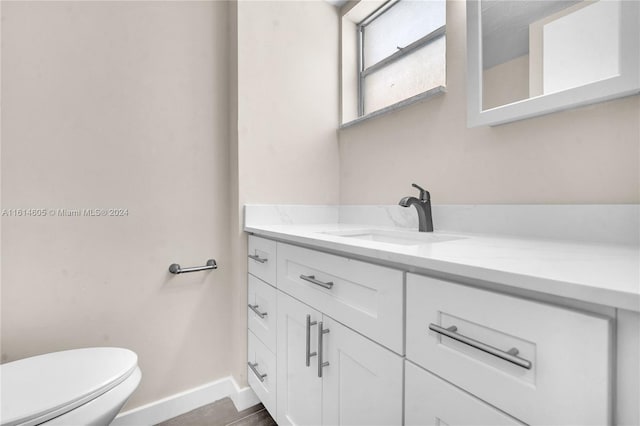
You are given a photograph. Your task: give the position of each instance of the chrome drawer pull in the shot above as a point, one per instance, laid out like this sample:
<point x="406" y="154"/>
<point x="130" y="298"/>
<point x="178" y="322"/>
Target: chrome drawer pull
<point x="510" y="355"/>
<point x="256" y="372"/>
<point x="254" y="308"/>
<point x="312" y="280"/>
<point x="258" y="258"/>
<point x="309" y="354"/>
<point x="321" y="362"/>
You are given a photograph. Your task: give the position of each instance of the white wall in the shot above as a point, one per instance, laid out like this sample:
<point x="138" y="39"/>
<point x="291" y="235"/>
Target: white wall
<point x="587" y="155"/>
<point x="118" y="104"/>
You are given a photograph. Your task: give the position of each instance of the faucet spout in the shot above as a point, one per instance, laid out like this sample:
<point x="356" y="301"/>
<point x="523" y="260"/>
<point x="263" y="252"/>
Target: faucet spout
<point x="423" y="206"/>
<point x="407" y="201"/>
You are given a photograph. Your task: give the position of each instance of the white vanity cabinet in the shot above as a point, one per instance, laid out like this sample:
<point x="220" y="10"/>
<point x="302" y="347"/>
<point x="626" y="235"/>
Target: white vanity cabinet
<point x="339" y="376"/>
<point x="348" y="380"/>
<point x="403" y="348"/>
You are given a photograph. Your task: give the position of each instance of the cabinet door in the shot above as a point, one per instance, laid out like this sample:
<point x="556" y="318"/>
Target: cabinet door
<point x="430" y="400"/>
<point x="299" y="395"/>
<point x="362" y="384"/>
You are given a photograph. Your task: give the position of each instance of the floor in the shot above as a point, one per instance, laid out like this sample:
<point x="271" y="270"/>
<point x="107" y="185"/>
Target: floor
<point x="223" y="413"/>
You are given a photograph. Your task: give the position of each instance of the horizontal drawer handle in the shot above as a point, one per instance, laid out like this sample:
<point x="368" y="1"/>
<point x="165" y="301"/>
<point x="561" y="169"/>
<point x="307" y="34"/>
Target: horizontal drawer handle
<point x="258" y="258"/>
<point x="312" y="280"/>
<point x="510" y="355"/>
<point x="254" y="308"/>
<point x="256" y="372"/>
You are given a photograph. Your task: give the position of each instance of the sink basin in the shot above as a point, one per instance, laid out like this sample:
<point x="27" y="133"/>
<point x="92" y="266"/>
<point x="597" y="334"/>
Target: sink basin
<point x="404" y="238"/>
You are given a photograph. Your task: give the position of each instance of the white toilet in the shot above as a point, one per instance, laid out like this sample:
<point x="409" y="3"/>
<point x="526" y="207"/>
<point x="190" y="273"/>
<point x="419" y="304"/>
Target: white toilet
<point x="77" y="387"/>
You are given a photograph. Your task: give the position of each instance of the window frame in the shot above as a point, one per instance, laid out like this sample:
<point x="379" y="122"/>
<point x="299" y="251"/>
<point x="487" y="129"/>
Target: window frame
<point x="388" y="60"/>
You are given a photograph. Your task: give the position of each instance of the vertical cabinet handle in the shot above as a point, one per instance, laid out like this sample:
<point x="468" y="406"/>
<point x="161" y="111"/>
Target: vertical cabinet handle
<point x="308" y="352"/>
<point x="254" y="308"/>
<point x="258" y="258"/>
<point x="321" y="362"/>
<point x="256" y="372"/>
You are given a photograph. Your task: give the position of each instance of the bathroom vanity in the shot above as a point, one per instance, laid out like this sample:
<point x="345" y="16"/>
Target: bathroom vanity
<point x="353" y="324"/>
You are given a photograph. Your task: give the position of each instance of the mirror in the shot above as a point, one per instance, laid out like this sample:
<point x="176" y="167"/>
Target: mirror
<point x="531" y="57"/>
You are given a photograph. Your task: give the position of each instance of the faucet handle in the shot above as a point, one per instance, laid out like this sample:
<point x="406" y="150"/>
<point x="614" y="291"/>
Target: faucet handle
<point x="424" y="194"/>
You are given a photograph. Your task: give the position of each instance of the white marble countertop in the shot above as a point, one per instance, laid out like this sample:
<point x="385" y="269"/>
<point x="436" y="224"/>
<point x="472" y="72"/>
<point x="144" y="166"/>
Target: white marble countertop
<point x="605" y="274"/>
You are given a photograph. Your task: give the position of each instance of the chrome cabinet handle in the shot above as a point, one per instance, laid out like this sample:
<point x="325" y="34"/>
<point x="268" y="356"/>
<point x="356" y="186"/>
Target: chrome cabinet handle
<point x="308" y="352"/>
<point x="510" y="355"/>
<point x="256" y="372"/>
<point x="258" y="258"/>
<point x="321" y="362"/>
<point x="254" y="308"/>
<point x="174" y="268"/>
<point x="312" y="280"/>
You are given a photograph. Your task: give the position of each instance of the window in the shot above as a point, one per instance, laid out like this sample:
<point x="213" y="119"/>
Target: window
<point x="400" y="54"/>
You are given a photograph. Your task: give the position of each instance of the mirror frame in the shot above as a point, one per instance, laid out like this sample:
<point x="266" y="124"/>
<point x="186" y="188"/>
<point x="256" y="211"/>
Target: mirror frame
<point x="624" y="84"/>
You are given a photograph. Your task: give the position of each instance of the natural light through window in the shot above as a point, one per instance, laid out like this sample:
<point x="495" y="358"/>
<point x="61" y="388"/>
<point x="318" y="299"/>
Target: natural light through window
<point x="400" y="57"/>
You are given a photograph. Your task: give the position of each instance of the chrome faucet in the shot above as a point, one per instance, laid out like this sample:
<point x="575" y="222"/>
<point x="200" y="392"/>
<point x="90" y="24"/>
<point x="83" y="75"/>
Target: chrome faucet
<point x="423" y="205"/>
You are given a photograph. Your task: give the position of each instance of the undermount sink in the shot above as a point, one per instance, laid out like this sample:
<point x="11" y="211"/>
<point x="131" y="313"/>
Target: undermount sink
<point x="405" y="238"/>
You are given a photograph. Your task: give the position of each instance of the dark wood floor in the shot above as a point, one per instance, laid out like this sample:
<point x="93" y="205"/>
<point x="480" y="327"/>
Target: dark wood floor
<point x="223" y="413"/>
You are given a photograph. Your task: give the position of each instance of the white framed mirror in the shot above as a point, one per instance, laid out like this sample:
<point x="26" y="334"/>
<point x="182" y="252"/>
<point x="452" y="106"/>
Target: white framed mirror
<point x="530" y="57"/>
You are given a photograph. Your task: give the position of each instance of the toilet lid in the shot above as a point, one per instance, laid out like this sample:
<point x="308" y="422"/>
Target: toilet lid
<point x="49" y="385"/>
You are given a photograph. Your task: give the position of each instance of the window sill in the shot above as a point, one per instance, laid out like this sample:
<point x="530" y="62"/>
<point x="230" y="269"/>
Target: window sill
<point x="398" y="105"/>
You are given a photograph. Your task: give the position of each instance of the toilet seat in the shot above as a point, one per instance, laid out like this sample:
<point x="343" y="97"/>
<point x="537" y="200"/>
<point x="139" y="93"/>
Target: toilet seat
<point x="40" y="388"/>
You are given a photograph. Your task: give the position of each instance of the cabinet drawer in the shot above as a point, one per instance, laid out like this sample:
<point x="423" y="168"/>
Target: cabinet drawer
<point x="432" y="401"/>
<point x="261" y="372"/>
<point x="262" y="259"/>
<point x="365" y="297"/>
<point x="568" y="380"/>
<point x="261" y="311"/>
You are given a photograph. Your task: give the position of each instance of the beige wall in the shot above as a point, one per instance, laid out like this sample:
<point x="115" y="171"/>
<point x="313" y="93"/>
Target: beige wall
<point x="180" y="112"/>
<point x="587" y="155"/>
<point x="287" y="114"/>
<point x="118" y="104"/>
<point x="505" y="83"/>
<point x="288" y="101"/>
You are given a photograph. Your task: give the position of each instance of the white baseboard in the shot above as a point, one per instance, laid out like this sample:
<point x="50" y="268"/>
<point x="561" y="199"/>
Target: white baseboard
<point x="183" y="402"/>
<point x="243" y="398"/>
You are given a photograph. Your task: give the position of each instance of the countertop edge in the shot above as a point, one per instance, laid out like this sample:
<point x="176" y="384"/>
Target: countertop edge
<point x="577" y="291"/>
